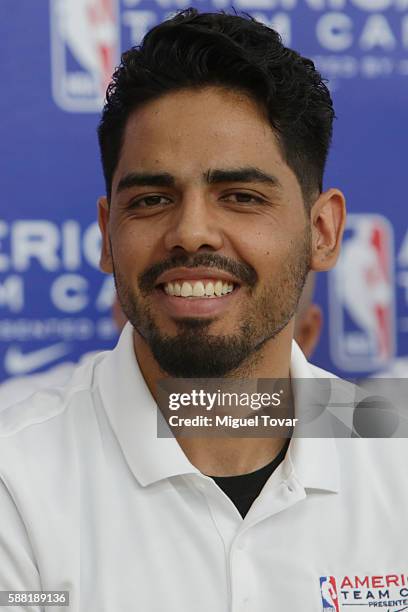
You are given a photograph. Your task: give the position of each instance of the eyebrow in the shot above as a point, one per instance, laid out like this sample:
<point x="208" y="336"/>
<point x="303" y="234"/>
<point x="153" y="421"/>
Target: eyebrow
<point x="230" y="175"/>
<point x="143" y="179"/>
<point x="241" y="175"/>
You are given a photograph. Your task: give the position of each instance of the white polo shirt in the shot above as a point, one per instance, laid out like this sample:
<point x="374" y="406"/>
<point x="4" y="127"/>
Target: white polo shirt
<point x="91" y="501"/>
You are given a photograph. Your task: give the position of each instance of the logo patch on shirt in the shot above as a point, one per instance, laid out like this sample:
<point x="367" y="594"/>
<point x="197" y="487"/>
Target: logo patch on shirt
<point x="388" y="592"/>
<point x="328" y="591"/>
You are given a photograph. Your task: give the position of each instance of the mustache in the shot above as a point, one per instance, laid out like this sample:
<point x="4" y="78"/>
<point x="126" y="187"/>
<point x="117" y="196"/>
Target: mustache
<point x="243" y="272"/>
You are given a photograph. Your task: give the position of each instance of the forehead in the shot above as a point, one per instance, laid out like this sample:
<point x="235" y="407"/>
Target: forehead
<point x="188" y="132"/>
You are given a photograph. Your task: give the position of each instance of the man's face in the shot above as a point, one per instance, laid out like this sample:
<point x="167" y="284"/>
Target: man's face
<point x="204" y="207"/>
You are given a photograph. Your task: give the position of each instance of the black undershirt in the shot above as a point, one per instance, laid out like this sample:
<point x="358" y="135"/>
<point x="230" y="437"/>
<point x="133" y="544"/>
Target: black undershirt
<point x="245" y="488"/>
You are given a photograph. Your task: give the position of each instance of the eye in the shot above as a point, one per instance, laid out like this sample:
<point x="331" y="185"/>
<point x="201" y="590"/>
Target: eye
<point x="241" y="197"/>
<point x="150" y="201"/>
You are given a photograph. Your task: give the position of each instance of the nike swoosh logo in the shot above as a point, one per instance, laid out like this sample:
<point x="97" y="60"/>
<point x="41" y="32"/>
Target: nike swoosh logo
<point x="17" y="362"/>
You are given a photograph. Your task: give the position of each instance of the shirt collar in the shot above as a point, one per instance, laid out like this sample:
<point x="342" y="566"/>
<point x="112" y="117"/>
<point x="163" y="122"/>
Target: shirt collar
<point x="132" y="412"/>
<point x="313" y="461"/>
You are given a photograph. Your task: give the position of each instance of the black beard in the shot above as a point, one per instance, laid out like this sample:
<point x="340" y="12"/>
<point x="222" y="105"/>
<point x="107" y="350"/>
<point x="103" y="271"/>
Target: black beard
<point x="194" y="353"/>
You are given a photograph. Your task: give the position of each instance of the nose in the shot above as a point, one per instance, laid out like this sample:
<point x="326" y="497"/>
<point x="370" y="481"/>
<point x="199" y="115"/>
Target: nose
<point x="194" y="225"/>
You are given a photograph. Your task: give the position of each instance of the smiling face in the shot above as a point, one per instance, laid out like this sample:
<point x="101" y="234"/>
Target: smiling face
<point x="206" y="232"/>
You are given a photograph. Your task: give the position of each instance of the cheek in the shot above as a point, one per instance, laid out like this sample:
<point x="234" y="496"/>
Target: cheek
<point x="263" y="249"/>
<point x="133" y="247"/>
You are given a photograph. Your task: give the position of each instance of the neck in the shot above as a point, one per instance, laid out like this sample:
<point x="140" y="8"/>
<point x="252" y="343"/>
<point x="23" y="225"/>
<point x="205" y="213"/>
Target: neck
<point x="229" y="456"/>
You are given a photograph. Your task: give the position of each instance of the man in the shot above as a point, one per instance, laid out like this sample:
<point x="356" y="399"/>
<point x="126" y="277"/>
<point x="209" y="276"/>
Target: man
<point x="213" y="140"/>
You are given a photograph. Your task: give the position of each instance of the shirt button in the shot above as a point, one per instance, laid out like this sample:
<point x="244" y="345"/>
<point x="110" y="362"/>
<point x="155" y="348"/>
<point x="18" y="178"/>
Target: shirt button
<point x="287" y="486"/>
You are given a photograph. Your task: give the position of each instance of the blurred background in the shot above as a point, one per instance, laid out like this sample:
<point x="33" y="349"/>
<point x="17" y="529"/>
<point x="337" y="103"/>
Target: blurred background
<point x="57" y="57"/>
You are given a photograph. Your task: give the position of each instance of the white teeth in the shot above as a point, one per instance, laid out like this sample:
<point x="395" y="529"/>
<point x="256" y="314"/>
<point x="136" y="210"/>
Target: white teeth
<point x="198" y="289"/>
<point x="186" y="289"/>
<point x="218" y="288"/>
<point x="209" y="289"/>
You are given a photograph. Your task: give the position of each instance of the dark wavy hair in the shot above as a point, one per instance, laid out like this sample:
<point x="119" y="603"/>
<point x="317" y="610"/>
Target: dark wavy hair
<point x="193" y="50"/>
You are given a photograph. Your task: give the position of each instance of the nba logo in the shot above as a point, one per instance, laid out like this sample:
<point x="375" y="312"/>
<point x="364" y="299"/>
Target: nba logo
<point x="362" y="296"/>
<point x="328" y="591"/>
<point x="84" y="52"/>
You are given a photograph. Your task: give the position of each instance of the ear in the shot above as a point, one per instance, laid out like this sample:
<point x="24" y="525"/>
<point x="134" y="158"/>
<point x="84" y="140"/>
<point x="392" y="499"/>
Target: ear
<point x="328" y="217"/>
<point x="105" y="262"/>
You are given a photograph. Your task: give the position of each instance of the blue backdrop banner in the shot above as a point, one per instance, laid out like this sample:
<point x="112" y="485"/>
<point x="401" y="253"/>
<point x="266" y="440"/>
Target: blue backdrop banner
<point x="57" y="58"/>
